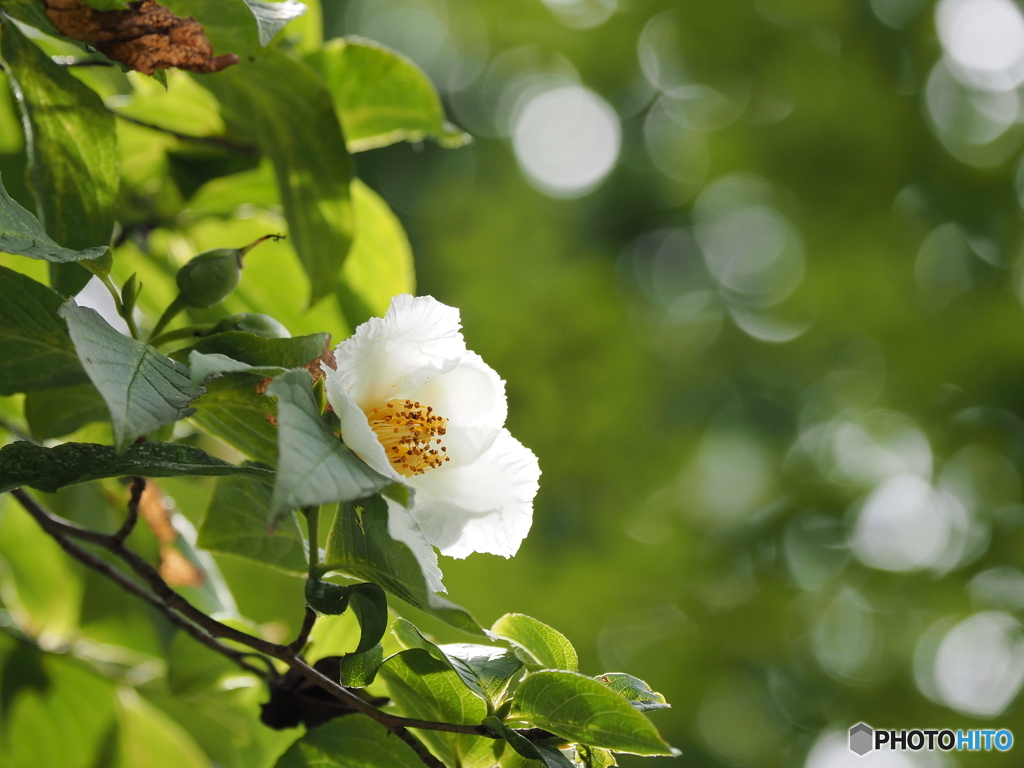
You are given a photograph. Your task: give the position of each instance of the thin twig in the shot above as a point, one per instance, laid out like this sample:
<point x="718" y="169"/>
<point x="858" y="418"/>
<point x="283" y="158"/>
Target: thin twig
<point x="307" y="626"/>
<point x="138" y="487"/>
<point x="219" y="141"/>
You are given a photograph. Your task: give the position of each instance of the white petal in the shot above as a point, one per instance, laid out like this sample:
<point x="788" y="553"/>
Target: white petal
<point x="355" y="429"/>
<point x="485" y="506"/>
<point x="471" y="393"/>
<point x="401" y="527"/>
<point x="385" y="358"/>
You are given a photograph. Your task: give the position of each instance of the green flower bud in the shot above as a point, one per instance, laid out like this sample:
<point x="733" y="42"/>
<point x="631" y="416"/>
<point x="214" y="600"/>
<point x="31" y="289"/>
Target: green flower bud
<point x="252" y="322"/>
<point x="210" y="277"/>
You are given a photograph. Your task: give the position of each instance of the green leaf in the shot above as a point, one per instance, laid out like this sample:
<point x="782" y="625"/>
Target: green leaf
<point x="58" y="412"/>
<point x="285" y="108"/>
<point x="72" y="152"/>
<point x="354" y="741"/>
<point x="35" y="349"/>
<point x="358" y="670"/>
<point x="549" y="647"/>
<point x="314" y="466"/>
<point x="428" y="689"/>
<point x="235" y="412"/>
<point x="259" y="350"/>
<point x="205" y="367"/>
<point x="485" y="669"/>
<point x="368" y="602"/>
<point x="380" y="264"/>
<point x="106" y="5"/>
<point x="381" y="96"/>
<point x="634" y="690"/>
<point x="235" y="523"/>
<point x="229" y="25"/>
<point x="359" y="545"/>
<point x="143" y="389"/>
<point x="30" y="12"/>
<point x="583" y="710"/>
<point x="271" y="17"/>
<point x="48" y="469"/>
<point x="593" y="757"/>
<point x="23" y="235"/>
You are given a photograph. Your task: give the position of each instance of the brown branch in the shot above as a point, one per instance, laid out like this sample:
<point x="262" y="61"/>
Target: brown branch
<point x="138" y="486"/>
<point x="206" y="629"/>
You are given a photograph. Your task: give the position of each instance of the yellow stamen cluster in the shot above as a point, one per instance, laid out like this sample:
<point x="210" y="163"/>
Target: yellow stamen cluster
<point x="411" y="435"/>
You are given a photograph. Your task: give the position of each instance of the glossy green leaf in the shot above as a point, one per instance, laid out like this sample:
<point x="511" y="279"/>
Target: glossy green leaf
<point x="72" y="152"/>
<point x="271" y="17"/>
<point x="235" y="412"/>
<point x="354" y="741"/>
<point x="547" y="646"/>
<point x="143" y="389"/>
<point x="35" y="349"/>
<point x="359" y="545"/>
<point x="367" y="601"/>
<point x="314" y="467"/>
<point x="380" y="264"/>
<point x="58" y="412"/>
<point x="358" y="670"/>
<point x="428" y="689"/>
<point x="23" y="235"/>
<point x="48" y="469"/>
<point x="381" y="96"/>
<point x="235" y="523"/>
<point x="258" y="350"/>
<point x="634" y="690"/>
<point x="547" y="755"/>
<point x="284" y="107"/>
<point x="583" y="710"/>
<point x="485" y="669"/>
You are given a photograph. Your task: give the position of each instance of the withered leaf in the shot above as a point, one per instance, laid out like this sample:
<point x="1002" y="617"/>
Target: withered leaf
<point x="144" y="37"/>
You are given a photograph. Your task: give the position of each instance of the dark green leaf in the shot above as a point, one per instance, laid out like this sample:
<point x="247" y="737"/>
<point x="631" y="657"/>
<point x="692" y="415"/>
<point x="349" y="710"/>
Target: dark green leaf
<point x="259" y="350"/>
<point x="23" y="235"/>
<point x="58" y="412"/>
<point x="354" y="741"/>
<point x="368" y="603"/>
<point x="35" y="349"/>
<point x="106" y="5"/>
<point x="236" y="524"/>
<point x="284" y="107"/>
<point x="314" y="467"/>
<point x="193" y="165"/>
<point x="358" y="670"/>
<point x="205" y="367"/>
<point x="30" y="12"/>
<point x="235" y="412"/>
<point x="636" y="691"/>
<point x="381" y="96"/>
<point x="48" y="469"/>
<point x="72" y="148"/>
<point x="583" y="710"/>
<point x="271" y="17"/>
<point x="143" y="389"/>
<point x="359" y="545"/>
<point x="228" y="24"/>
<point x="429" y="689"/>
<point x="549" y="756"/>
<point x="549" y="647"/>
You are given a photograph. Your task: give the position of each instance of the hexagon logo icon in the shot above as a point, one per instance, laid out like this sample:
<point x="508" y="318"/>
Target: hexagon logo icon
<point x="862" y="739"/>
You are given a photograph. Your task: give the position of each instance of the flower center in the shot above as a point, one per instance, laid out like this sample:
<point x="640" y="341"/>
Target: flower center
<point x="411" y="435"/>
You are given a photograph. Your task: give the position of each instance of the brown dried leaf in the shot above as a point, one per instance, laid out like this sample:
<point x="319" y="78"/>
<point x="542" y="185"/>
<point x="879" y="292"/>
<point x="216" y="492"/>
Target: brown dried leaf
<point x="145" y="37"/>
<point x="177" y="571"/>
<point x="175" y="568"/>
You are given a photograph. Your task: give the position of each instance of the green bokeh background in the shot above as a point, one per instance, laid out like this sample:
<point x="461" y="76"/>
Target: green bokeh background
<point x="702" y="482"/>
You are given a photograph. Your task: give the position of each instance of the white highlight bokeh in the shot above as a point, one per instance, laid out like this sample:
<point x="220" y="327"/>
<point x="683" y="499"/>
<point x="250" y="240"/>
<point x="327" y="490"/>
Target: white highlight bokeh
<point x="979" y="667"/>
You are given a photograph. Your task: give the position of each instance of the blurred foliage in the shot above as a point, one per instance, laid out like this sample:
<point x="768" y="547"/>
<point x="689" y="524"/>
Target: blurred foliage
<point x="769" y="364"/>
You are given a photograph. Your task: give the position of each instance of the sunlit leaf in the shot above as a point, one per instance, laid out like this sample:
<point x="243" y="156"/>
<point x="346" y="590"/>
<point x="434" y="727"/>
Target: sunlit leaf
<point x="547" y="646"/>
<point x="635" y="690"/>
<point x="48" y="469"/>
<point x="381" y="96"/>
<point x="583" y="710"/>
<point x="235" y="523"/>
<point x="143" y="389"/>
<point x="35" y="349"/>
<point x="358" y="670"/>
<point x="271" y="17"/>
<point x="354" y="741"/>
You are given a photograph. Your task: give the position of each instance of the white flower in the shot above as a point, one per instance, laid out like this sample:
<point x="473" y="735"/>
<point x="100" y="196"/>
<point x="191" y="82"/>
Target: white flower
<point x="420" y="408"/>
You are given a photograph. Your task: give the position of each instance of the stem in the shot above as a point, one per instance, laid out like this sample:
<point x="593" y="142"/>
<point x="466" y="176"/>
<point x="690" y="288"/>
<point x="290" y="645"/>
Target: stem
<point x="206" y="629"/>
<point x="313" y="530"/>
<point x="138" y="487"/>
<point x="169" y="314"/>
<point x="188" y="332"/>
<point x="254" y="243"/>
